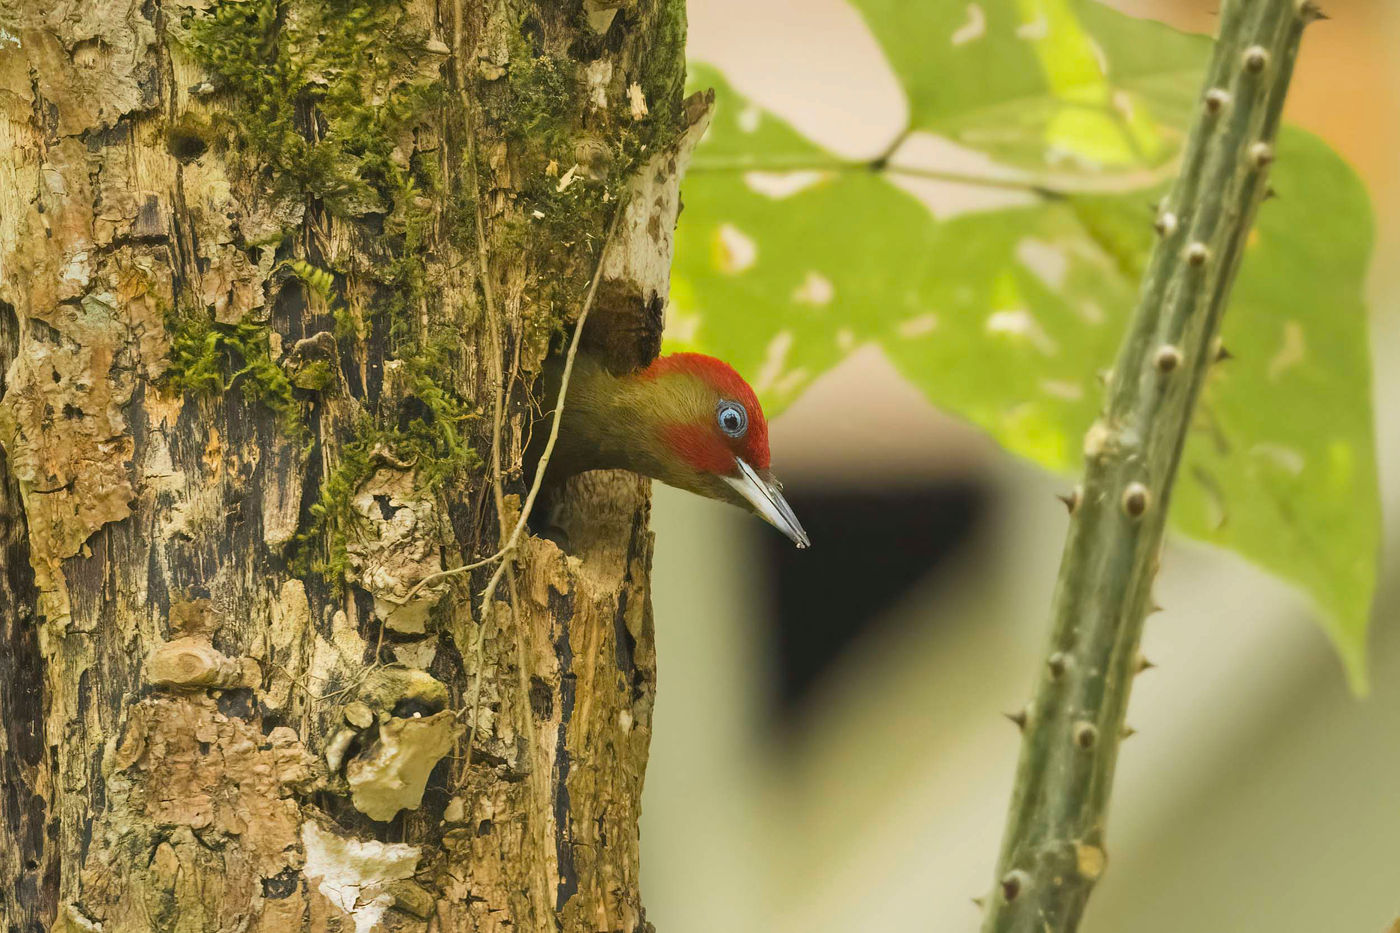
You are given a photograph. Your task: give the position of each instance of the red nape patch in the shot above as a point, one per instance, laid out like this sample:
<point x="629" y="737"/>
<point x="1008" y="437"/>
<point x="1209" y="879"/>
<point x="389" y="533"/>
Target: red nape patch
<point x="727" y="384"/>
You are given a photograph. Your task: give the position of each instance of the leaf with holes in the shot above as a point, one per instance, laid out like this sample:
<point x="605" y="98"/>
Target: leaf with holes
<point x="1006" y="311"/>
<point x="1060" y="88"/>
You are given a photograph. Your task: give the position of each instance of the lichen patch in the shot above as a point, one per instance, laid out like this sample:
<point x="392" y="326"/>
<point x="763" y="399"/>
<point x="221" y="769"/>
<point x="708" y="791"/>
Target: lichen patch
<point x="355" y="874"/>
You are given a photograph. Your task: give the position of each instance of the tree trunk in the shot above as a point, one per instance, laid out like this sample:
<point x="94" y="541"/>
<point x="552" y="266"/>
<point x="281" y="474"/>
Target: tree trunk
<point x="276" y="278"/>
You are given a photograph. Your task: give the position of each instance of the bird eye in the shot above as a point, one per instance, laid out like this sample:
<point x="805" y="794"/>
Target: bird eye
<point x="733" y="420"/>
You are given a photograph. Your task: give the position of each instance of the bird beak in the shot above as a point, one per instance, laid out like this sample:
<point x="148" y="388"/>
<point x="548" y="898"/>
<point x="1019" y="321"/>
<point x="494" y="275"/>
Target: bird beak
<point x="766" y="497"/>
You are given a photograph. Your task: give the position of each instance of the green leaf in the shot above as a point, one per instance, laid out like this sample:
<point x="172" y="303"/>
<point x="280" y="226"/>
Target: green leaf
<point x="1042" y="83"/>
<point x="1007" y="316"/>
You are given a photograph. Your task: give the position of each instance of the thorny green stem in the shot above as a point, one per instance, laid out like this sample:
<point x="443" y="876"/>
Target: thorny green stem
<point x="1053" y="849"/>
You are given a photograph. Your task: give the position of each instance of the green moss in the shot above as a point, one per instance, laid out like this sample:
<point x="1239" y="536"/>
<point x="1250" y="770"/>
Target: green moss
<point x="425" y="429"/>
<point x="315" y="376"/>
<point x="430" y="441"/>
<point x="545" y="98"/>
<point x="321" y="282"/>
<point x="663" y="74"/>
<point x="333" y="517"/>
<point x="546" y="109"/>
<point x="209" y="357"/>
<point x="323" y="100"/>
<point x="344" y="60"/>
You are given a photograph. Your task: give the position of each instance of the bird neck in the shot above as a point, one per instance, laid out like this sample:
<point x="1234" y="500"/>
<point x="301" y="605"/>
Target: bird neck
<point x="617" y="422"/>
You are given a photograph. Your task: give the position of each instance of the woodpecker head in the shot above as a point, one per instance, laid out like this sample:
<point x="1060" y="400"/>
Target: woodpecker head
<point x="704" y="432"/>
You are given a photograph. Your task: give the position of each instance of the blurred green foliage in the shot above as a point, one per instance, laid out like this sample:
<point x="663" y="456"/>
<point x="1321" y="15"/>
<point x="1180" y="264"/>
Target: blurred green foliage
<point x="1063" y="119"/>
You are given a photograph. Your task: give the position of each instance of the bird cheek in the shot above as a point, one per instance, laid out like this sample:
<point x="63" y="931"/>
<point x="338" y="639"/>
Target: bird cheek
<point x="699" y="448"/>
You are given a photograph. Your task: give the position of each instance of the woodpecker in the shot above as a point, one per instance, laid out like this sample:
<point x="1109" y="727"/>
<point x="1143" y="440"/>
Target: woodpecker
<point x="687" y="419"/>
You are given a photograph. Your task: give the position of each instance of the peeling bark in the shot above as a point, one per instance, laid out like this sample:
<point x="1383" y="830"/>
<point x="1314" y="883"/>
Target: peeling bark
<point x="246" y="410"/>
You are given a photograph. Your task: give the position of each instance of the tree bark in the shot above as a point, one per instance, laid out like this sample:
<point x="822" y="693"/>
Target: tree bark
<point x="253" y="347"/>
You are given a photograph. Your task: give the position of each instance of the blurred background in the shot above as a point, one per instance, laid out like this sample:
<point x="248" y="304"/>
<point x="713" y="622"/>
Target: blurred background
<point x="829" y="753"/>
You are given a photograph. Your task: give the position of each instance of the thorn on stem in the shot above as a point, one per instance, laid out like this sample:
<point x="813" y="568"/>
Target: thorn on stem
<point x="1057" y="663"/>
<point x="1136" y="498"/>
<point x="1261" y="154"/>
<point x="1197" y="254"/>
<point x="1020" y="718"/>
<point x="981" y="902"/>
<point x="1216" y="99"/>
<point x="1166" y="223"/>
<point x="1072" y="498"/>
<point x="1127" y="733"/>
<point x="1168" y="358"/>
<point x="1256" y="57"/>
<point x="1012" y="883"/>
<point x="1086" y="734"/>
<point x="1143" y="664"/>
<point x="1311" y="12"/>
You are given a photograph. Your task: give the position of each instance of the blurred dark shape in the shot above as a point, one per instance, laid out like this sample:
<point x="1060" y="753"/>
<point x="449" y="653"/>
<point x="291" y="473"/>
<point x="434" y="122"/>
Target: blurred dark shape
<point x="870" y="548"/>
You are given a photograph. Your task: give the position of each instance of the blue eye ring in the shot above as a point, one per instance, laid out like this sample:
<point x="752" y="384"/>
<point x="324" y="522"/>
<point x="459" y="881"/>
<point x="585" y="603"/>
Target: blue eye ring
<point x="733" y="420"/>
